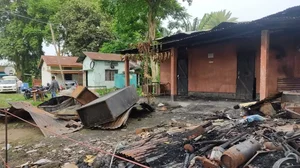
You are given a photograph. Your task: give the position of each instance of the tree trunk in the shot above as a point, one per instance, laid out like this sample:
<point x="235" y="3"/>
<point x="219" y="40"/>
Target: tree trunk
<point x="153" y="5"/>
<point x="153" y="70"/>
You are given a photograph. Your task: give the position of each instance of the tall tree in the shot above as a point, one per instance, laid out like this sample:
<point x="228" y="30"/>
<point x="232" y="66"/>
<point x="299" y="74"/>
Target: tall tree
<point x="82" y="27"/>
<point x="127" y="27"/>
<point x="207" y="22"/>
<point x="215" y="18"/>
<point x="21" y="37"/>
<point x="145" y="12"/>
<point x="157" y="11"/>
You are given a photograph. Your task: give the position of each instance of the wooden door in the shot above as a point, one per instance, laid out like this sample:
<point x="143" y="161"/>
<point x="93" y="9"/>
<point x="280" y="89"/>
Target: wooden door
<point x="182" y="72"/>
<point x="245" y="88"/>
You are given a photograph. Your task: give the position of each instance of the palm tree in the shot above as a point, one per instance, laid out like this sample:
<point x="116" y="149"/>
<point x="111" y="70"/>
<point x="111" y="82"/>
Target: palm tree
<point x="208" y="21"/>
<point x="215" y="18"/>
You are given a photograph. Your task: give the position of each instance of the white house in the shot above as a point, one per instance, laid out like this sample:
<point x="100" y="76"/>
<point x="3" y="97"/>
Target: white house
<point x="100" y="68"/>
<point x="49" y="66"/>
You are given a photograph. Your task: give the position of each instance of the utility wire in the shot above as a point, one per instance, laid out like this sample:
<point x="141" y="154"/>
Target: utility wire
<point x="26" y="17"/>
<point x="79" y="142"/>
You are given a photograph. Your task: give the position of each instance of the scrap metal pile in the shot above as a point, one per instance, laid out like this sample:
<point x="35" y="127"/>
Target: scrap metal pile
<point x="267" y="136"/>
<point x="66" y="114"/>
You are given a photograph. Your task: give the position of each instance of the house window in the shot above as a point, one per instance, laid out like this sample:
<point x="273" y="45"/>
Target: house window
<point x="109" y="74"/>
<point x="68" y="76"/>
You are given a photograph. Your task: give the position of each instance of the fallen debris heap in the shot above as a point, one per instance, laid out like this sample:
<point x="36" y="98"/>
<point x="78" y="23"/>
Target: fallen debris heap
<point x="42" y="119"/>
<point x="254" y="141"/>
<point x="64" y="114"/>
<point x="260" y="134"/>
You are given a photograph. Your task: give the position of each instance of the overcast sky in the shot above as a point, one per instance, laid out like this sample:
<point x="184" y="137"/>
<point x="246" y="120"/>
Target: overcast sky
<point x="244" y="10"/>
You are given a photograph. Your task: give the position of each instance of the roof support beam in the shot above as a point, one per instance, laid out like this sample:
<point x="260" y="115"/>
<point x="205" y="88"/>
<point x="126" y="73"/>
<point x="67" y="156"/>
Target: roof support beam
<point x="264" y="63"/>
<point x="127" y="83"/>
<point x="173" y="73"/>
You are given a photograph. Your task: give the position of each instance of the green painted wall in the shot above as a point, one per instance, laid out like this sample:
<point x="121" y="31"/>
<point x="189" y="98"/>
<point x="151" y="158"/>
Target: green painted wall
<point x="96" y="76"/>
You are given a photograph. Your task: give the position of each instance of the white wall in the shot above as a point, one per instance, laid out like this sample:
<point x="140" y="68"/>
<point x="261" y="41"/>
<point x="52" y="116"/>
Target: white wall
<point x="96" y="76"/>
<point x="46" y="75"/>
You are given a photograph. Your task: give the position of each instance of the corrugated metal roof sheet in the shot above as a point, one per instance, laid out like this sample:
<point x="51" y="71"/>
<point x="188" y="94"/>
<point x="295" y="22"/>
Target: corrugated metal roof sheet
<point x="43" y="119"/>
<point x="289" y="18"/>
<point x="63" y="60"/>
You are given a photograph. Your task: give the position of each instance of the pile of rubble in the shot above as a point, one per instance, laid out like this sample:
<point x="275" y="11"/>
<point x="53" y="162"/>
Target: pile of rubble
<point x="66" y="114"/>
<point x="267" y="136"/>
<point x="260" y="134"/>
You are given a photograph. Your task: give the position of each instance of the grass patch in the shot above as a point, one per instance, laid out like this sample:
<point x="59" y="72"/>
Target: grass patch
<point x="139" y="91"/>
<point x="13" y="97"/>
<point x="102" y="92"/>
<point x="106" y="91"/>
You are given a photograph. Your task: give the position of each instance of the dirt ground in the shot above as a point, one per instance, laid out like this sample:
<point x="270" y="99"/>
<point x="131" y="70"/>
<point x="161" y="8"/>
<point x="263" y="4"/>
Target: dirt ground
<point x="28" y="143"/>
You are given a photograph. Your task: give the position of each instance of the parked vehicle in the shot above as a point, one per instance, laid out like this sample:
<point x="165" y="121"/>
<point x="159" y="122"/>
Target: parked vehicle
<point x="28" y="92"/>
<point x="8" y="86"/>
<point x="70" y="83"/>
<point x="10" y="78"/>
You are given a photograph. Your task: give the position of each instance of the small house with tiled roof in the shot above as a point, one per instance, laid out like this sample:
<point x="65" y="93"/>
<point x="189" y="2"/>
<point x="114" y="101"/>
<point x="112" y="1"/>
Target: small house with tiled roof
<point x="49" y="66"/>
<point x="99" y="69"/>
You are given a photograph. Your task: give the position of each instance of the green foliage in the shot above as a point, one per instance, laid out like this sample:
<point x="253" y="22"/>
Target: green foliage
<point x="130" y="20"/>
<point x="215" y="18"/>
<point x="21" y="38"/>
<point x="13" y="97"/>
<point x="79" y="25"/>
<point x="102" y="92"/>
<point x="207" y="22"/>
<point x="82" y="26"/>
<point x="128" y="27"/>
<point x="139" y="91"/>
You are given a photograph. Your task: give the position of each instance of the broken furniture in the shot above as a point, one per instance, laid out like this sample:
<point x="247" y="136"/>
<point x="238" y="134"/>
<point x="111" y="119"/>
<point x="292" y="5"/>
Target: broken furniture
<point x="83" y="95"/>
<point x="38" y="93"/>
<point x="107" y="108"/>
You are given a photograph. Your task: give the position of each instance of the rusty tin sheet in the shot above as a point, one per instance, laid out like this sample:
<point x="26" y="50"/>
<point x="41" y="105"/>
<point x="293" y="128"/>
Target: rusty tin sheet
<point x="120" y="121"/>
<point x="83" y="95"/>
<point x="43" y="119"/>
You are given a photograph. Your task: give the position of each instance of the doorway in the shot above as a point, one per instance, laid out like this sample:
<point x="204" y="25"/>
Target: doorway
<point x="245" y="83"/>
<point x="182" y="72"/>
<point x="86" y="79"/>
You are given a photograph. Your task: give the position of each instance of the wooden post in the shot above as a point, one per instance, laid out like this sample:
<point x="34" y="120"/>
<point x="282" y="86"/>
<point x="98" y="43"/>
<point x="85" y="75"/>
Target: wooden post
<point x="34" y="95"/>
<point x="173" y="73"/>
<point x="127" y="80"/>
<point x="264" y="61"/>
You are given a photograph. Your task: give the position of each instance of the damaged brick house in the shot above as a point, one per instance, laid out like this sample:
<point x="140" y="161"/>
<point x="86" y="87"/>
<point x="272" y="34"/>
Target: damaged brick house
<point x="246" y="60"/>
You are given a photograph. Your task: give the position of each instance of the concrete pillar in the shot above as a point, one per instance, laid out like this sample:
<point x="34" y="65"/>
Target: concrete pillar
<point x="173" y="73"/>
<point x="127" y="83"/>
<point x="264" y="61"/>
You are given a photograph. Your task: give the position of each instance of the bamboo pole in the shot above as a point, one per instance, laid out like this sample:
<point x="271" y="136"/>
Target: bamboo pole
<point x="58" y="54"/>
